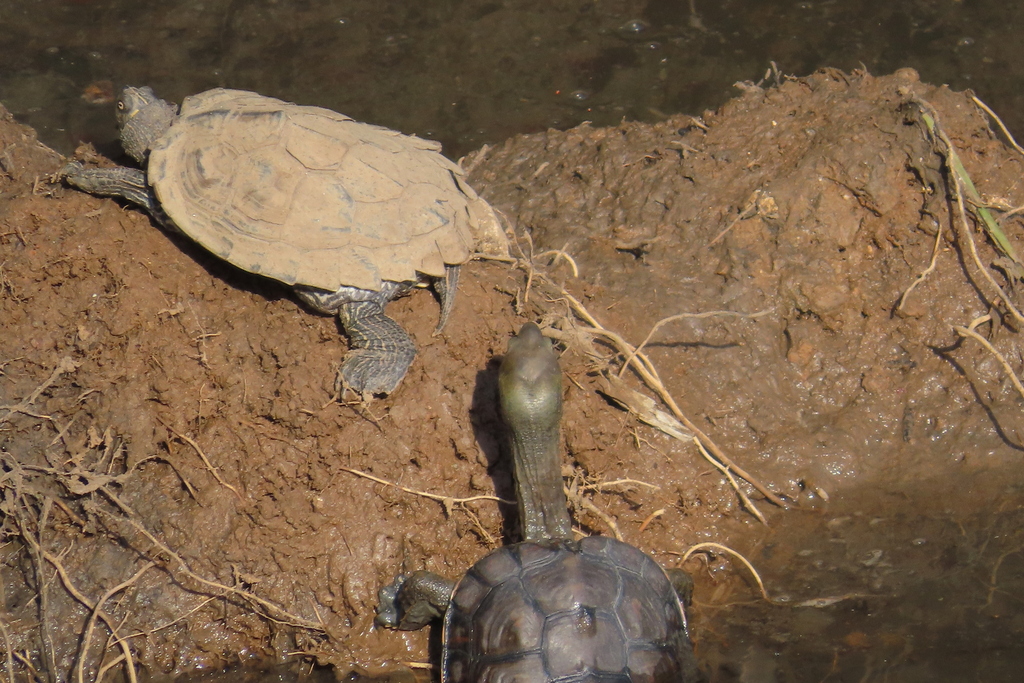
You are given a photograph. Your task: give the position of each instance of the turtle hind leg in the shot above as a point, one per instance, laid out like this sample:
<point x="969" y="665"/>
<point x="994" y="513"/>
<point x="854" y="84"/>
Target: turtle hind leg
<point x="411" y="602"/>
<point x="446" y="287"/>
<point x="380" y="353"/>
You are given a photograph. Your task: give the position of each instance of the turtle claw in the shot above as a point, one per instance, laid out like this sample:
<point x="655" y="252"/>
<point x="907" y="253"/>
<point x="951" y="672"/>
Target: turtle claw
<point x="70" y="168"/>
<point x="387" y="603"/>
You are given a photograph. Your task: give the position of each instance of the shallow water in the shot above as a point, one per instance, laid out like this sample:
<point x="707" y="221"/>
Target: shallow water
<point x="470" y="73"/>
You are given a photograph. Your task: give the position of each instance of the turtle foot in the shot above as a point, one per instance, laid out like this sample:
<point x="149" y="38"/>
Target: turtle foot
<point x="69" y="171"/>
<point x="412" y="601"/>
<point x="129" y="183"/>
<point x="368" y="372"/>
<point x="387" y="605"/>
<point x="381" y="351"/>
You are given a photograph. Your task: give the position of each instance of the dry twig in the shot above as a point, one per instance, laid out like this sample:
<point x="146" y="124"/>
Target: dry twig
<point x="448" y="502"/>
<point x="202" y="455"/>
<point x="96" y="611"/>
<point x="923" y="275"/>
<point x="812" y="602"/>
<point x="7" y="650"/>
<point x="969" y="331"/>
<point x="999" y="121"/>
<point x="724" y="469"/>
<point x="65" y="365"/>
<point x="962" y="182"/>
<point x="267" y="609"/>
<point x="687" y="316"/>
<point x="993" y="582"/>
<point x="650" y="518"/>
<point x="643" y="366"/>
<point x="70" y="587"/>
<point x="589" y="506"/>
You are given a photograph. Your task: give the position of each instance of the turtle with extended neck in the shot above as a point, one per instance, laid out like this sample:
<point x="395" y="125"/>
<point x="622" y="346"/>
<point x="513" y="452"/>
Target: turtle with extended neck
<point x="349" y="214"/>
<point x="549" y="609"/>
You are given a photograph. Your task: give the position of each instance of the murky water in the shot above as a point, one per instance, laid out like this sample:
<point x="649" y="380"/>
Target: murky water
<point x="469" y="73"/>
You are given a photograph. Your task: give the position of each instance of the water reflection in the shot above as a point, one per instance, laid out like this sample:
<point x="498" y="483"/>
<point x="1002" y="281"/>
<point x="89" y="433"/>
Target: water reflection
<point x="469" y="73"/>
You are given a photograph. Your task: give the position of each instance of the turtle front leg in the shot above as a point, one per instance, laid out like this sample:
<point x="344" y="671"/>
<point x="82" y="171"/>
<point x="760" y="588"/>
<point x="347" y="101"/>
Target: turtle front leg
<point x="682" y="582"/>
<point x="124" y="182"/>
<point x="411" y="602"/>
<point x="380" y="353"/>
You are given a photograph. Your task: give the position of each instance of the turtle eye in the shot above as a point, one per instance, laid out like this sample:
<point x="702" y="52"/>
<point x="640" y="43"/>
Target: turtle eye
<point x="120" y="105"/>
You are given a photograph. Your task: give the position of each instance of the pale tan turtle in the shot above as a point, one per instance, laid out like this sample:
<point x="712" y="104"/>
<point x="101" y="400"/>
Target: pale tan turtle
<point x="349" y="214"/>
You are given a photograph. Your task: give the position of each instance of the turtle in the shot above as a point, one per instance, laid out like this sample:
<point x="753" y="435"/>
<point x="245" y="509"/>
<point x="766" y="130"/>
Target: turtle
<point x="549" y="608"/>
<point x="349" y="214"/>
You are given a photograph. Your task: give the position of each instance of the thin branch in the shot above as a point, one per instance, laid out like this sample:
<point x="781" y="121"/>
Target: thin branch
<point x="562" y="254"/>
<point x="649" y="374"/>
<point x="589" y="506"/>
<point x="202" y="455"/>
<point x="998" y="121"/>
<point x="923" y="275"/>
<point x="84" y="650"/>
<point x="9" y="652"/>
<point x="269" y="608"/>
<point x="601" y="486"/>
<point x="969" y="332"/>
<point x="749" y="504"/>
<point x="812" y="602"/>
<point x="650" y="518"/>
<point x="732" y="553"/>
<point x="78" y="595"/>
<point x="65" y="365"/>
<point x="687" y="316"/>
<point x="960" y="181"/>
<point x="446" y="500"/>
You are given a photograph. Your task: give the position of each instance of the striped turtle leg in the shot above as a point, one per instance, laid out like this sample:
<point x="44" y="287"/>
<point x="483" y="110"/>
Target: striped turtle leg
<point x="380" y="353"/>
<point x="121" y="181"/>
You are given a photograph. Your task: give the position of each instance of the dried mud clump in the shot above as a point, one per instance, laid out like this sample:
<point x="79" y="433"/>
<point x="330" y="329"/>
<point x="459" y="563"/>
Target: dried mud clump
<point x="180" y="493"/>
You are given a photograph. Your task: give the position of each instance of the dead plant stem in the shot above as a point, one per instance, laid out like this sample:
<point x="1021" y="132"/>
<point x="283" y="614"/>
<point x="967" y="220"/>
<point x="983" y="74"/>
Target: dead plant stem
<point x="999" y="121"/>
<point x="649" y="374"/>
<point x="65" y="365"/>
<point x="86" y="640"/>
<point x="202" y="455"/>
<point x="446" y="500"/>
<point x="7" y="649"/>
<point x="685" y="316"/>
<point x="970" y="332"/>
<point x="949" y="152"/>
<point x="80" y="597"/>
<point x="923" y="275"/>
<point x="269" y="609"/>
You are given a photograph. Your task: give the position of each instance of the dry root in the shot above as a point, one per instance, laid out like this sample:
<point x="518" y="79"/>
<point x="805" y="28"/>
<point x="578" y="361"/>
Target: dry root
<point x="49" y="496"/>
<point x="585" y="327"/>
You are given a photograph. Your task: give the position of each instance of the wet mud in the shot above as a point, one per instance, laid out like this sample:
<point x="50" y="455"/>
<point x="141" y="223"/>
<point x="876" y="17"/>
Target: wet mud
<point x="171" y="451"/>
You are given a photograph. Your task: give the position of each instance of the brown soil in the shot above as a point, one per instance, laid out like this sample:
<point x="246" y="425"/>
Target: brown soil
<point x="128" y="356"/>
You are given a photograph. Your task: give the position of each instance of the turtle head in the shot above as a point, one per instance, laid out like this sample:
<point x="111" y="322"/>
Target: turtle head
<point x="143" y="119"/>
<point x="530" y="382"/>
